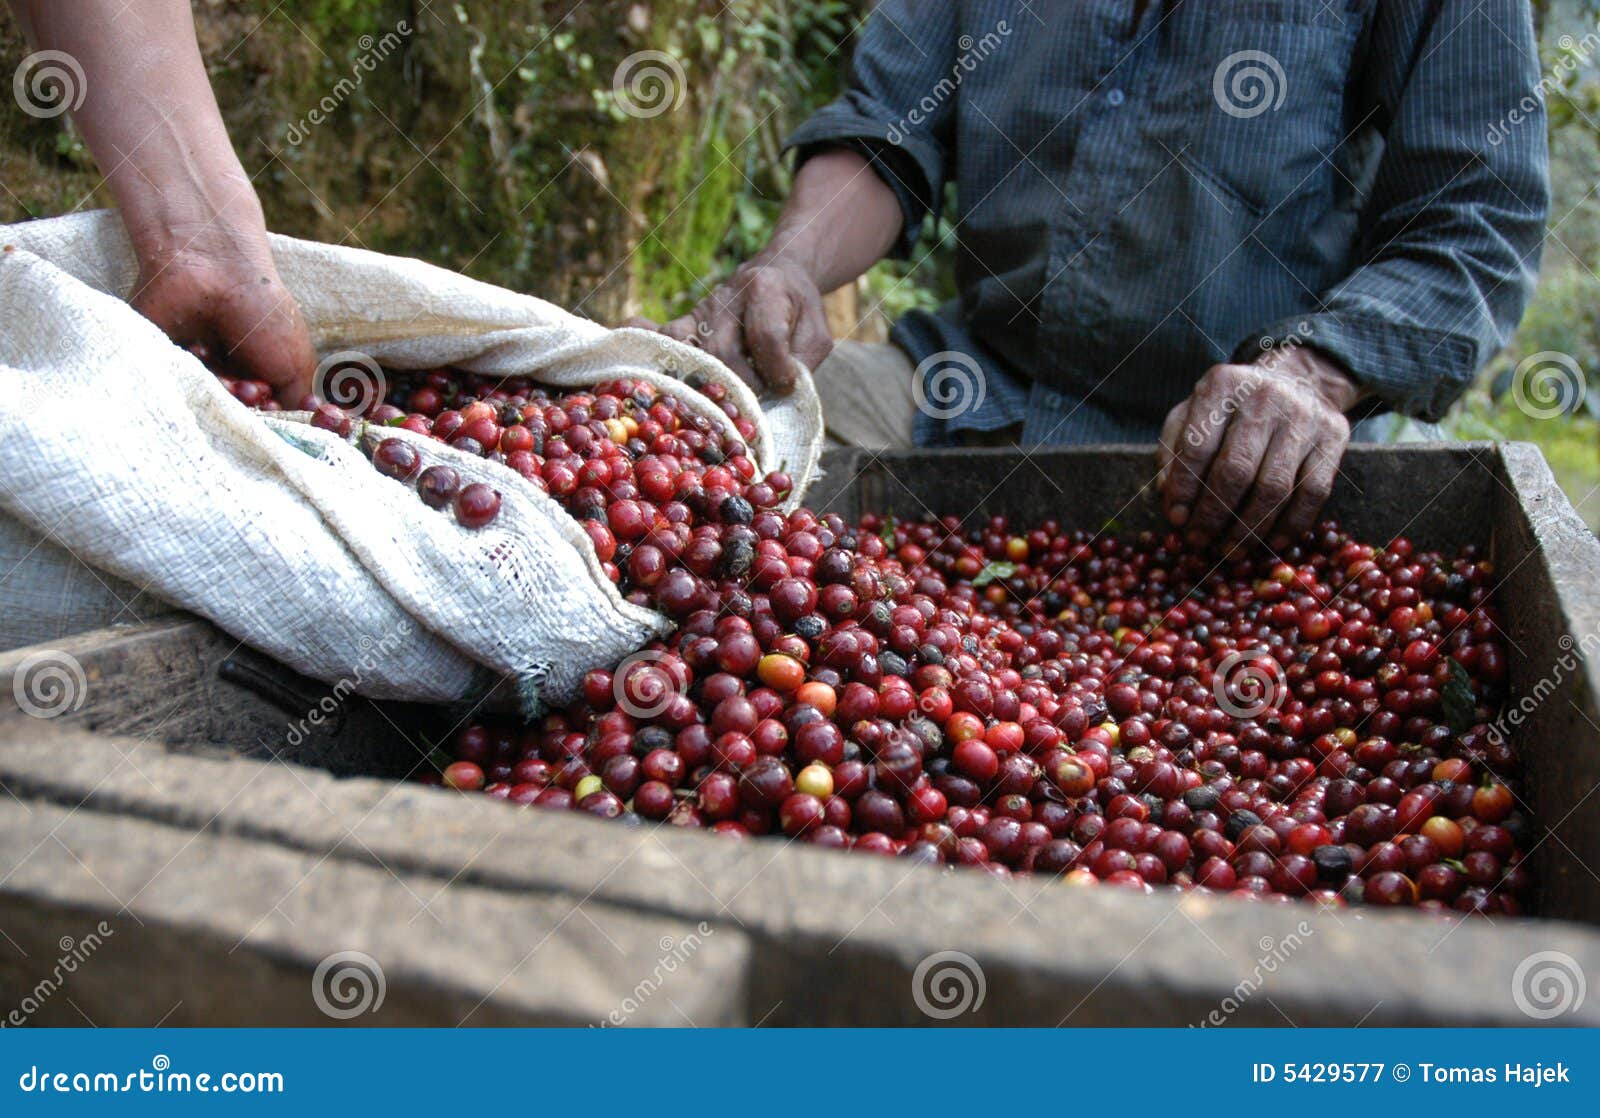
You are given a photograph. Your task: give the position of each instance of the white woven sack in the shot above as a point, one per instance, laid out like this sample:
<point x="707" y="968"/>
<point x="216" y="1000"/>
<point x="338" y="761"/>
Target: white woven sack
<point x="46" y="593"/>
<point x="132" y="457"/>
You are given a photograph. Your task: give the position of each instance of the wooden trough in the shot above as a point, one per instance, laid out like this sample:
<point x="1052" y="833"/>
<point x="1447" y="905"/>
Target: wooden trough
<point x="181" y="842"/>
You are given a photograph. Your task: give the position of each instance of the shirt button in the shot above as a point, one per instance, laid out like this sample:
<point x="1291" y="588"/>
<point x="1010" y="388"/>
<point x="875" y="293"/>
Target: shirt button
<point x="1115" y="98"/>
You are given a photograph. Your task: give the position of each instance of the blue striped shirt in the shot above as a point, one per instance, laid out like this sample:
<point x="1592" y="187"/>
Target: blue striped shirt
<point x="1144" y="190"/>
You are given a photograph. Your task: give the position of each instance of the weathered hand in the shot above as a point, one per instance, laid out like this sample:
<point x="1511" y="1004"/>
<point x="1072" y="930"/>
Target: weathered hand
<point x="767" y="316"/>
<point x="147" y="113"/>
<point x="228" y="295"/>
<point x="1254" y="450"/>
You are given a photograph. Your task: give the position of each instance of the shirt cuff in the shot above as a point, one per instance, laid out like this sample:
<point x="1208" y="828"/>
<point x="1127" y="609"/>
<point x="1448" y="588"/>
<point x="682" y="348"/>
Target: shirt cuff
<point x="1411" y="369"/>
<point x="908" y="165"/>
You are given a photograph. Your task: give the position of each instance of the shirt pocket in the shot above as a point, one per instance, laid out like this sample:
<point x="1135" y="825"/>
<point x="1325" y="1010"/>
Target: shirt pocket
<point x="1271" y="103"/>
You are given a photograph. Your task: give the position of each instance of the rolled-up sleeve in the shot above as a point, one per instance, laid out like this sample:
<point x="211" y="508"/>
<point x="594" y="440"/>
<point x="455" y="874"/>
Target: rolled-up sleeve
<point x="899" y="108"/>
<point x="1451" y="233"/>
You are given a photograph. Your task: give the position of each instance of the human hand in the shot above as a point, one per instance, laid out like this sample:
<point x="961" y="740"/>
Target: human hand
<point x="767" y="316"/>
<point x="1254" y="450"/>
<point x="767" y="320"/>
<point x="147" y="113"/>
<point x="221" y="289"/>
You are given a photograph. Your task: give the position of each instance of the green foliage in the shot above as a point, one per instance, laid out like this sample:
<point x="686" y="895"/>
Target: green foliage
<point x="793" y="55"/>
<point x="1562" y="317"/>
<point x="690" y="222"/>
<point x="754" y="70"/>
<point x="924" y="281"/>
<point x="1571" y="444"/>
<point x="992" y="570"/>
<point x="1564" y="313"/>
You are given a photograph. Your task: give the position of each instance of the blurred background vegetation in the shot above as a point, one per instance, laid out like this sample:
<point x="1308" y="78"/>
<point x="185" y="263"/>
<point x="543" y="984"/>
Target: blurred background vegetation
<point x="505" y="139"/>
<point x="1564" y="316"/>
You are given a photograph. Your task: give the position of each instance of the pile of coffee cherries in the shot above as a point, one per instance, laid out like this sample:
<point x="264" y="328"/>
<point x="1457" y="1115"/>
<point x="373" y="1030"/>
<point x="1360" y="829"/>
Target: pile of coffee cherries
<point x="1116" y="710"/>
<point x="578" y="447"/>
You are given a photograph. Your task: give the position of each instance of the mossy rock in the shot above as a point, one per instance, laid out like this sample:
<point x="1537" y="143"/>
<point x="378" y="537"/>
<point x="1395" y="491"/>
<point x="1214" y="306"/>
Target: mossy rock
<point x="484" y="135"/>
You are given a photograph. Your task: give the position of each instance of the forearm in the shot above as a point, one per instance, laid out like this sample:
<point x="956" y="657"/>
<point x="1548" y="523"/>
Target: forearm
<point x="1413" y="325"/>
<point x="841" y="219"/>
<point x="150" y="119"/>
